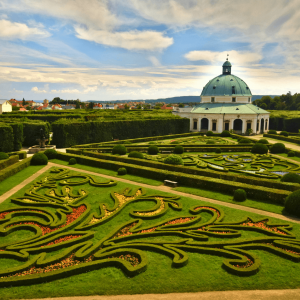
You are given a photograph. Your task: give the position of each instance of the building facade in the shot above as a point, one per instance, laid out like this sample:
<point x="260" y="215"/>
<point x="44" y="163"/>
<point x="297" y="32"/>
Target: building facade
<point x="5" y="106"/>
<point x="226" y="104"/>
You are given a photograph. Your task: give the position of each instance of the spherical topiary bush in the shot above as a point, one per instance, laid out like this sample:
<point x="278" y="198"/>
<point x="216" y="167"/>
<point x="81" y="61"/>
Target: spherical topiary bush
<point x="292" y="203"/>
<point x="151" y="143"/>
<point x="50" y="153"/>
<point x="39" y="159"/>
<point x="173" y="160"/>
<point x="278" y="148"/>
<point x="175" y="142"/>
<point x="136" y="154"/>
<point x="245" y="141"/>
<point x="284" y="133"/>
<point x="178" y="149"/>
<point x="218" y="150"/>
<point x="259" y="148"/>
<point x="122" y="171"/>
<point x="291" y="154"/>
<point x="72" y="161"/>
<point x="263" y="141"/>
<point x="3" y="155"/>
<point x="119" y="149"/>
<point x="272" y="131"/>
<point x="153" y="150"/>
<point x="225" y="133"/>
<point x="290" y="177"/>
<point x="210" y="142"/>
<point x="209" y="133"/>
<point x="239" y="195"/>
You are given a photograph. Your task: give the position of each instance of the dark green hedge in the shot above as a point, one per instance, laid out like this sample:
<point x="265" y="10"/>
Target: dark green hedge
<point x="6" y="138"/>
<point x="18" y="135"/>
<point x="8" y="162"/>
<point x="21" y="154"/>
<point x="43" y="117"/>
<point x="282" y="138"/>
<point x="31" y="132"/>
<point x="281" y="123"/>
<point x="15" y="168"/>
<point x="74" y="133"/>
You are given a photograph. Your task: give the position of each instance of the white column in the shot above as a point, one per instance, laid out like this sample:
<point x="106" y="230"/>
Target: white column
<point x="209" y="124"/>
<point x="259" y="120"/>
<point x="268" y="124"/>
<point x="199" y="124"/>
<point x="253" y="126"/>
<point x="231" y="124"/>
<point x="243" y="126"/>
<point x="191" y="124"/>
<point x="220" y="126"/>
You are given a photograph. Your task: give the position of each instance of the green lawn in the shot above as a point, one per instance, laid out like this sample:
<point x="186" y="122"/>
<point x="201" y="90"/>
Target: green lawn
<point x="295" y="158"/>
<point x="203" y="272"/>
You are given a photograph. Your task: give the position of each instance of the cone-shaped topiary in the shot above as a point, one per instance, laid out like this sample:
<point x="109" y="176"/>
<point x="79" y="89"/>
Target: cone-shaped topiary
<point x="290" y="177"/>
<point x="292" y="203"/>
<point x="153" y="150"/>
<point x="259" y="148"/>
<point x="178" y="149"/>
<point x="284" y="133"/>
<point x="272" y="131"/>
<point x="263" y="141"/>
<point x="72" y="161"/>
<point x="291" y="154"/>
<point x="173" y="160"/>
<point x="39" y="159"/>
<point x="122" y="171"/>
<point x="136" y="154"/>
<point x="239" y="195"/>
<point x="218" y="150"/>
<point x="50" y="153"/>
<point x="3" y="155"/>
<point x="209" y="133"/>
<point x="278" y="148"/>
<point x="225" y="133"/>
<point x="119" y="149"/>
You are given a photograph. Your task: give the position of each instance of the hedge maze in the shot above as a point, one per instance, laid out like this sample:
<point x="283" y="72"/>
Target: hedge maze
<point x="199" y="139"/>
<point x="63" y="226"/>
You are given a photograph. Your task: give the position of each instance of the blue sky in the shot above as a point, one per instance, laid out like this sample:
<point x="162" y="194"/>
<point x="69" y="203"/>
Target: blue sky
<point x="145" y="49"/>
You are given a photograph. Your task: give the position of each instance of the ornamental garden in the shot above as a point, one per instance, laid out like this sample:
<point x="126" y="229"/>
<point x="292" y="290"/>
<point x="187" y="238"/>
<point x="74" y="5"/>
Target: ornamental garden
<point x="98" y="219"/>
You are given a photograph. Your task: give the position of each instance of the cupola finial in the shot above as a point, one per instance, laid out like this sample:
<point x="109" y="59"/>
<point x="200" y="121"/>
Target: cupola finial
<point x="227" y="56"/>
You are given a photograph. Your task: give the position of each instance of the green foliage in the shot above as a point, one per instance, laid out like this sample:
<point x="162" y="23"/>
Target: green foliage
<point x="119" y="149"/>
<point x="239" y="195"/>
<point x="152" y="143"/>
<point x="210" y="142"/>
<point x="6" y="138"/>
<point x="173" y="160"/>
<point x="263" y="141"/>
<point x="272" y="131"/>
<point x="284" y="133"/>
<point x="245" y="141"/>
<point x="122" y="171"/>
<point x="14" y="168"/>
<point x="50" y="153"/>
<point x="39" y="159"/>
<point x="72" y="161"/>
<point x="292" y="203"/>
<point x="291" y="154"/>
<point x="209" y="133"/>
<point x="136" y="154"/>
<point x="5" y="162"/>
<point x="153" y="150"/>
<point x="3" y="155"/>
<point x="218" y="150"/>
<point x="178" y="149"/>
<point x="225" y="133"/>
<point x="278" y="148"/>
<point x="290" y="177"/>
<point x="259" y="148"/>
<point x="175" y="142"/>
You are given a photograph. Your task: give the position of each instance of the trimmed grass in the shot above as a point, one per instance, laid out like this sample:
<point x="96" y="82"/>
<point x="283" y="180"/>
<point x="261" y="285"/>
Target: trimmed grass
<point x="14" y="180"/>
<point x="202" y="273"/>
<point x="295" y="158"/>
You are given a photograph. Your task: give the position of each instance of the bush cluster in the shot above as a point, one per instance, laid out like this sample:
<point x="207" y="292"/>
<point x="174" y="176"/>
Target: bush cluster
<point x="259" y="148"/>
<point x="153" y="150"/>
<point x="290" y="177"/>
<point x="209" y="133"/>
<point x="119" y="149"/>
<point x="50" y="153"/>
<point x="263" y="141"/>
<point x="3" y="155"/>
<point x="278" y="148"/>
<point x="239" y="195"/>
<point x="272" y="131"/>
<point x="178" y="149"/>
<point x="39" y="159"/>
<point x="292" y="203"/>
<point x="122" y="171"/>
<point x="72" y="161"/>
<point x="225" y="133"/>
<point x="210" y="142"/>
<point x="245" y="141"/>
<point x="218" y="150"/>
<point x="284" y="133"/>
<point x="136" y="154"/>
<point x="173" y="160"/>
<point x="291" y="154"/>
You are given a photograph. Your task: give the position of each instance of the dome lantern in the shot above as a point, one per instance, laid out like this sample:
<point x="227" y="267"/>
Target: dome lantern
<point x="227" y="67"/>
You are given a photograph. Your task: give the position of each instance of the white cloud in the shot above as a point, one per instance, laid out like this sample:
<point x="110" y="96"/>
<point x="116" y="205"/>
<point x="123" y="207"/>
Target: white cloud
<point x="36" y="90"/>
<point x="155" y="61"/>
<point x="131" y="40"/>
<point x="14" y="30"/>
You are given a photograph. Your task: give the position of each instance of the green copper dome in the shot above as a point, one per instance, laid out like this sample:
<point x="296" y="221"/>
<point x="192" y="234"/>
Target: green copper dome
<point x="227" y="64"/>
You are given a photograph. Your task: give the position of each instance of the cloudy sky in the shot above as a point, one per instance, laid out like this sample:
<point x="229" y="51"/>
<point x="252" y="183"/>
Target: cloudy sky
<point x="145" y="49"/>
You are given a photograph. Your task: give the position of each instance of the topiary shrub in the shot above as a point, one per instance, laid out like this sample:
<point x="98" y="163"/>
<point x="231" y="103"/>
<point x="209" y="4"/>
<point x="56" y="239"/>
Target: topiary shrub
<point x="178" y="149"/>
<point x="245" y="141"/>
<point x="209" y="133"/>
<point x="136" y="154"/>
<point x="173" y="160"/>
<point x="263" y="141"/>
<point x="72" y="161"/>
<point x="239" y="195"/>
<point x="50" y="153"/>
<point x="151" y="143"/>
<point x="290" y="177"/>
<point x="39" y="159"/>
<point x="272" y="131"/>
<point x="292" y="203"/>
<point x="259" y="148"/>
<point x="175" y="142"/>
<point x="291" y="154"/>
<point x="3" y="155"/>
<point x="153" y="150"/>
<point x="225" y="133"/>
<point x="278" y="148"/>
<point x="218" y="150"/>
<point x="122" y="171"/>
<point x="119" y="149"/>
<point x="210" y="142"/>
<point x="284" y="133"/>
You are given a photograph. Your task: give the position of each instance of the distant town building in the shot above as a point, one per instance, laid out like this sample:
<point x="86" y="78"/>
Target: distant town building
<point x="5" y="106"/>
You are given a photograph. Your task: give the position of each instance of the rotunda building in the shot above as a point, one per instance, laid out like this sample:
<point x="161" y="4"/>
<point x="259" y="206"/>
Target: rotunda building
<point x="226" y="104"/>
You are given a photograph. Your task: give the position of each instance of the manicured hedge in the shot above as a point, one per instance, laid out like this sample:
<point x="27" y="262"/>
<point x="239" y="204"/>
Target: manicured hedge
<point x="283" y="138"/>
<point x="18" y="135"/>
<point x="21" y="154"/>
<point x="31" y="132"/>
<point x="6" y="138"/>
<point x="74" y="133"/>
<point x="8" y="162"/>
